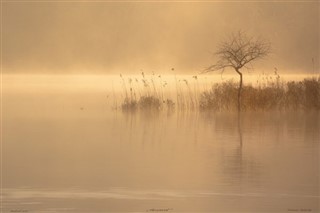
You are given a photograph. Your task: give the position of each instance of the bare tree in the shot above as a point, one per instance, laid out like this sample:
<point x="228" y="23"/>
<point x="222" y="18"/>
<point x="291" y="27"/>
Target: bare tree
<point x="237" y="52"/>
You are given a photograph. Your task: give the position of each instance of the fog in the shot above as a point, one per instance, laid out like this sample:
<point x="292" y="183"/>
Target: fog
<point x="127" y="37"/>
<point x="103" y="110"/>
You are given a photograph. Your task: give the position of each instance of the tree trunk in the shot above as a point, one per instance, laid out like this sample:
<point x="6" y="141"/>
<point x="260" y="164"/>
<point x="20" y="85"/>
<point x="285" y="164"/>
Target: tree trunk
<point x="239" y="90"/>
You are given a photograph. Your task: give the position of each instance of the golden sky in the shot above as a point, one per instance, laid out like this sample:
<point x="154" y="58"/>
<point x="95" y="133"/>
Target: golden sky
<point x="112" y="37"/>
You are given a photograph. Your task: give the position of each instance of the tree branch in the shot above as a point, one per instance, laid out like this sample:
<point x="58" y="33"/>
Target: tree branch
<point x="238" y="51"/>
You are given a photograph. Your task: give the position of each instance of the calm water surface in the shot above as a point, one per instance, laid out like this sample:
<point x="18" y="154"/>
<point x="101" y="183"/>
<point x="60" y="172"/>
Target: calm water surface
<point x="67" y="151"/>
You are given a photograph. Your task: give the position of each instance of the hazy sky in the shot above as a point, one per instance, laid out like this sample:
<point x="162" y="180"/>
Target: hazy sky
<point x="114" y="37"/>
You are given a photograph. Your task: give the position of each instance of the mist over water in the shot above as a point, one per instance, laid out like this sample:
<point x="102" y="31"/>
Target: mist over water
<point x="67" y="150"/>
<point x="104" y="37"/>
<point x="104" y="108"/>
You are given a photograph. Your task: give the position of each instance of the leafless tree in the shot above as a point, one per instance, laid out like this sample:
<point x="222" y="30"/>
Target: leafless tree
<point x="237" y="52"/>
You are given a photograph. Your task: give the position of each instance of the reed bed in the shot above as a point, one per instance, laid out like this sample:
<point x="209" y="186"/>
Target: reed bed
<point x="154" y="92"/>
<point x="292" y="95"/>
<point x="270" y="92"/>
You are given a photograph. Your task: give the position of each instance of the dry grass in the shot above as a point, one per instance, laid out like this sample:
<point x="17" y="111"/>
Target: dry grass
<point x="269" y="93"/>
<point x="301" y="95"/>
<point x="152" y="92"/>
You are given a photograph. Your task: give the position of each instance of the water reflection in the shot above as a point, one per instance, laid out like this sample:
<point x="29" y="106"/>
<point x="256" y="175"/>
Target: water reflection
<point x="238" y="150"/>
<point x="66" y="151"/>
<point x="184" y="160"/>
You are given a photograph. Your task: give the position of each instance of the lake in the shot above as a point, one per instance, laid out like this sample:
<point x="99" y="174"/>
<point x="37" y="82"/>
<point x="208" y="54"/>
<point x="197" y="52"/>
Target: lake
<point x="64" y="149"/>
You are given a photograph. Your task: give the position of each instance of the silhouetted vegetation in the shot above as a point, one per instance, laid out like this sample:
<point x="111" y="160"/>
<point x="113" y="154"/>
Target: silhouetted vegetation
<point x="291" y="95"/>
<point x="269" y="93"/>
<point x="145" y="94"/>
<point x="237" y="52"/>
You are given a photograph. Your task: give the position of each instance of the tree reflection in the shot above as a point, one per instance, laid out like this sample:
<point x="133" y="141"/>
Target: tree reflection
<point x="239" y="128"/>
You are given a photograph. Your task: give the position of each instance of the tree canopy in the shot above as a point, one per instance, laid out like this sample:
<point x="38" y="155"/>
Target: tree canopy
<point x="239" y="51"/>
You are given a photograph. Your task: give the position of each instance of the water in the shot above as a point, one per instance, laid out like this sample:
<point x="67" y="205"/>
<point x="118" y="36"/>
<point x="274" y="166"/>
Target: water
<point x="65" y="150"/>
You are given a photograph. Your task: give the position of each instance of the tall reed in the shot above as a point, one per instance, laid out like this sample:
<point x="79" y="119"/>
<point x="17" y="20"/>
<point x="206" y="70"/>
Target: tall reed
<point x="269" y="93"/>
